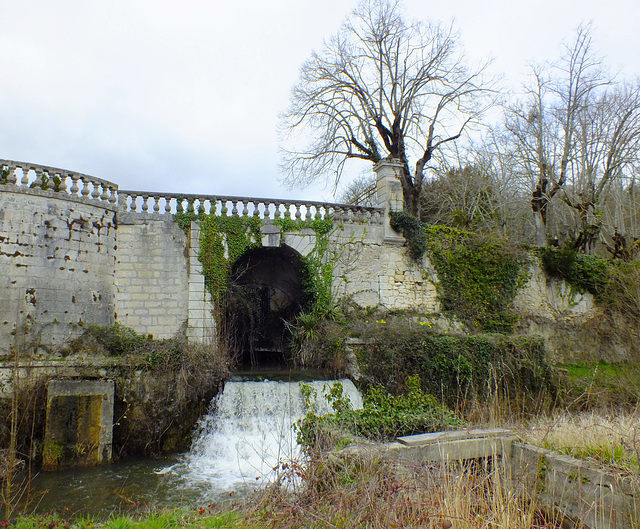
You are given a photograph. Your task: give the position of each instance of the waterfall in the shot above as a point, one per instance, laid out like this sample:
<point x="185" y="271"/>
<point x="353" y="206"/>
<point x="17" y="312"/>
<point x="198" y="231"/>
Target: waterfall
<point x="248" y="432"/>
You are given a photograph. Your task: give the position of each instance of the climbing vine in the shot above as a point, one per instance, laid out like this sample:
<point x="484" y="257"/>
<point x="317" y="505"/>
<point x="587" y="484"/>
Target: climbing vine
<point x="478" y="277"/>
<point x="223" y="239"/>
<point x="317" y="269"/>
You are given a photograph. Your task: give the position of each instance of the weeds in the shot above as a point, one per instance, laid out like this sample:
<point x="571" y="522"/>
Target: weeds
<point x="611" y="440"/>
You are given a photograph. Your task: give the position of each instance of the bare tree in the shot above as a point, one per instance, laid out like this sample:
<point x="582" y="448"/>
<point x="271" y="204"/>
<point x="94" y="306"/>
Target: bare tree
<point x="360" y="192"/>
<point x="381" y="88"/>
<point x="542" y="128"/>
<point x="607" y="144"/>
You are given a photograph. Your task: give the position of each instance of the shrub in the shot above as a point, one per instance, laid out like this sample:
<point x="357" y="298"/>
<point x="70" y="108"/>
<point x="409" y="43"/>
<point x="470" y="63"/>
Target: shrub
<point x="584" y="273"/>
<point x="382" y="417"/>
<point x="456" y="368"/>
<point x="114" y="340"/>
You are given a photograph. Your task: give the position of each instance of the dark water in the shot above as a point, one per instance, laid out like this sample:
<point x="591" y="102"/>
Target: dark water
<point x="118" y="488"/>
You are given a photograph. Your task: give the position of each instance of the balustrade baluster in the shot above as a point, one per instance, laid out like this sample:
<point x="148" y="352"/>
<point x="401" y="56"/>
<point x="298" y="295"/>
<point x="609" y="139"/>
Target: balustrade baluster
<point x="25" y="177"/>
<point x="156" y="204"/>
<point x="74" y="186"/>
<point x="63" y="182"/>
<point x="276" y="212"/>
<point x="298" y="215"/>
<point x="234" y="209"/>
<point x="105" y="194"/>
<point x="307" y="215"/>
<point x="256" y="209"/>
<point x="95" y="194"/>
<point x="167" y="205"/>
<point x="134" y="206"/>
<point x="223" y="208"/>
<point x="12" y="178"/>
<point x="245" y="208"/>
<point x="112" y="195"/>
<point x="85" y="188"/>
<point x="145" y="203"/>
<point x="37" y="183"/>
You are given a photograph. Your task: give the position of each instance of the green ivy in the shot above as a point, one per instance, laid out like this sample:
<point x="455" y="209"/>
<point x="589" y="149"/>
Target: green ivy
<point x="412" y="230"/>
<point x="478" y="278"/>
<point x="318" y="268"/>
<point x="583" y="273"/>
<point x="319" y="226"/>
<point x="222" y="241"/>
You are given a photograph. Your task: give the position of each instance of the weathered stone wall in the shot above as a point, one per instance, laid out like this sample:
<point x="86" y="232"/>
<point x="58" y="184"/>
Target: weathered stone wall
<point x="152" y="280"/>
<point x="573" y="326"/>
<point x="373" y="270"/>
<point x="57" y="265"/>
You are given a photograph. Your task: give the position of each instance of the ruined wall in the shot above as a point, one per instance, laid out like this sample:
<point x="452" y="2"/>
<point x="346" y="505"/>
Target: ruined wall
<point x="152" y="265"/>
<point x="57" y="266"/>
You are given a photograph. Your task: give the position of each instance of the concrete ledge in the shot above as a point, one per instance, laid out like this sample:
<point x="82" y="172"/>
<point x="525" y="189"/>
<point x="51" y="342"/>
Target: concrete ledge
<point x="471" y="433"/>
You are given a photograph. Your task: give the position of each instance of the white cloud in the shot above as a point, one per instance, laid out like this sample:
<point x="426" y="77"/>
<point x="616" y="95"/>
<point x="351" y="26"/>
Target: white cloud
<point x="161" y="95"/>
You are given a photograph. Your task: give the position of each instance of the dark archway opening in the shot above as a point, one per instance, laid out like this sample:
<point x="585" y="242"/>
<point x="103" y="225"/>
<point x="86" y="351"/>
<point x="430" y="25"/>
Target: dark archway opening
<point x="265" y="294"/>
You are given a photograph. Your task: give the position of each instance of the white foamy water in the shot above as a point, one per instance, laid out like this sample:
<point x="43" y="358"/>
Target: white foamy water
<point x="248" y="433"/>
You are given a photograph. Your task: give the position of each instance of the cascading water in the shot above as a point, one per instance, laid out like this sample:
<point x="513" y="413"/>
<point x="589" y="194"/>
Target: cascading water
<point x="248" y="433"/>
<point x="245" y="435"/>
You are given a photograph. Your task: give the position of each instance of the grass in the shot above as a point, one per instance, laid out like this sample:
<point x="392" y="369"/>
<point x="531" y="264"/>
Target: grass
<point x="366" y="490"/>
<point x="202" y="517"/>
<point x="601" y="384"/>
<point x="611" y="440"/>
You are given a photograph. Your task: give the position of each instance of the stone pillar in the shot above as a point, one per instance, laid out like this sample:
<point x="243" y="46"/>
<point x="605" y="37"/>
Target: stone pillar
<point x="79" y="423"/>
<point x="389" y="194"/>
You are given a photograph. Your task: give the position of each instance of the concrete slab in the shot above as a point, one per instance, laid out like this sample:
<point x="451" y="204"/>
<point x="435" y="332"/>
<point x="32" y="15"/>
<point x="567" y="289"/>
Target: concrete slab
<point x="468" y="433"/>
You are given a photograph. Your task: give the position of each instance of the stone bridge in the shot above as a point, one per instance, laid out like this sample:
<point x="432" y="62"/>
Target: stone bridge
<point x="76" y="250"/>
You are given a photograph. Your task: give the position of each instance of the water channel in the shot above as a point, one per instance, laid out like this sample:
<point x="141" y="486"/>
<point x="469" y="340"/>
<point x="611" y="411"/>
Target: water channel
<point x="237" y="446"/>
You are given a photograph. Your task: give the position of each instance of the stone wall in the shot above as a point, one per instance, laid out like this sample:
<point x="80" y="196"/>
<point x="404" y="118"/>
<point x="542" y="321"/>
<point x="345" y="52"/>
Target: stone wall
<point x="57" y="266"/>
<point x="573" y="326"/>
<point x="372" y="270"/>
<point x="152" y="275"/>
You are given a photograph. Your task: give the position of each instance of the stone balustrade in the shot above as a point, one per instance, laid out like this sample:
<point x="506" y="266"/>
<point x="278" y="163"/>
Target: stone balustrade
<point x="266" y="209"/>
<point x="29" y="176"/>
<point x="41" y="177"/>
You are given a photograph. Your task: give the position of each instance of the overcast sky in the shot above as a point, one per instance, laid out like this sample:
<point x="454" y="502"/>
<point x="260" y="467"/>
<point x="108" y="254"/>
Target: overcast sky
<point x="184" y="96"/>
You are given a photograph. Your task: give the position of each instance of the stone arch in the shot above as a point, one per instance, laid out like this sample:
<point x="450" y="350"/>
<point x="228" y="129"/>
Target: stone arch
<point x="265" y="294"/>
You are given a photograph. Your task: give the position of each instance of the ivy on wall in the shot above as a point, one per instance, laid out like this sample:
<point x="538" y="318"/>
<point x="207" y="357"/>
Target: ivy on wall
<point x="478" y="277"/>
<point x="223" y="240"/>
<point x="318" y="268"/>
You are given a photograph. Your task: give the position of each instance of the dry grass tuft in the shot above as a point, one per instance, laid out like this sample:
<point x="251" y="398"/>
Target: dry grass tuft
<point x="369" y="491"/>
<point x="611" y="439"/>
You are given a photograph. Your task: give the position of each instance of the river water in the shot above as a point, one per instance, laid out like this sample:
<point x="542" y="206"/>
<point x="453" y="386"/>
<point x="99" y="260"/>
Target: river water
<point x="240" y="444"/>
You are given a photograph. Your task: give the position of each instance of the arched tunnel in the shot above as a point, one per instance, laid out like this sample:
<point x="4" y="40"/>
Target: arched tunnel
<point x="265" y="293"/>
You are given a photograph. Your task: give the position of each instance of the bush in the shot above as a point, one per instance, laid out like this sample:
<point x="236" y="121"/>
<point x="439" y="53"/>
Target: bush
<point x="456" y="368"/>
<point x="584" y="273"/>
<point x="115" y="340"/>
<point x="382" y="417"/>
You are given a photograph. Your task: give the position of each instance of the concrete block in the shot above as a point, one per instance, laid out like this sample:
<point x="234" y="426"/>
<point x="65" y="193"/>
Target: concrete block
<point x="79" y="423"/>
